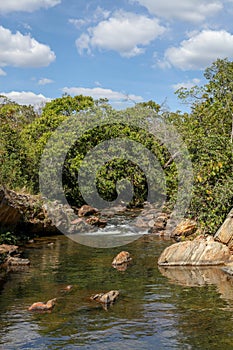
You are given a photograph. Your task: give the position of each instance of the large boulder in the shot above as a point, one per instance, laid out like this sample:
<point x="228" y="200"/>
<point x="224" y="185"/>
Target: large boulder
<point x="201" y="251"/>
<point x="225" y="232"/>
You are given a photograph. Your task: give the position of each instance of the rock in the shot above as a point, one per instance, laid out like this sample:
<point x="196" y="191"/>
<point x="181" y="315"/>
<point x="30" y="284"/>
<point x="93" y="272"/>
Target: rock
<point x="10" y="213"/>
<point x="87" y="210"/>
<point x="39" y="306"/>
<point x="95" y="221"/>
<point x="67" y="289"/>
<point x="123" y="267"/>
<point x="185" y="228"/>
<point x="140" y="223"/>
<point x="106" y="298"/>
<point x="8" y="249"/>
<point x="225" y="232"/>
<point x="228" y="269"/>
<point x="201" y="251"/>
<point x="121" y="258"/>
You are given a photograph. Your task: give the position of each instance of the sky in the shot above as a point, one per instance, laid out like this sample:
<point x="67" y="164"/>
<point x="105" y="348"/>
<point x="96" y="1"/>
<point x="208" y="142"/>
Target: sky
<point x="128" y="51"/>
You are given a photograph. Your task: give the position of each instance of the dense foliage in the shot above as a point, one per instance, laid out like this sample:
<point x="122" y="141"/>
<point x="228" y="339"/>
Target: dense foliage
<point x="207" y="132"/>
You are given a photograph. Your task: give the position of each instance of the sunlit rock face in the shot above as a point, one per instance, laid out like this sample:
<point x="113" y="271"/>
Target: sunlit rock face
<point x="201" y="251"/>
<point x="225" y="232"/>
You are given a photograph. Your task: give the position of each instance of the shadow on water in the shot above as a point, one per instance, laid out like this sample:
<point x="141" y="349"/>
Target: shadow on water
<point x="172" y="308"/>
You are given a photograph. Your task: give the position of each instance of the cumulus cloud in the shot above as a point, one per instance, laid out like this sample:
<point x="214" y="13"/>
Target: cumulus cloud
<point x="26" y="5"/>
<point x="200" y="50"/>
<point x="26" y="98"/>
<point x="20" y="50"/>
<point x="187" y="10"/>
<point x="45" y="81"/>
<point x="99" y="92"/>
<point x="188" y="84"/>
<point x="124" y="32"/>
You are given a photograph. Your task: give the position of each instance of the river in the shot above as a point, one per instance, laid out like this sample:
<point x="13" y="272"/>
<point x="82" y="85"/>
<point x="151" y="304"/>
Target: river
<point x="157" y="308"/>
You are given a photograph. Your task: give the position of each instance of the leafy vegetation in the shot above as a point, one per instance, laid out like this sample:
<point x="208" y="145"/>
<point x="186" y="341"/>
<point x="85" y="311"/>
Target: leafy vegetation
<point x="207" y="132"/>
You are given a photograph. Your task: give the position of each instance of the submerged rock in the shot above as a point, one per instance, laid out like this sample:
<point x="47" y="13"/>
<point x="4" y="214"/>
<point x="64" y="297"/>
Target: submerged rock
<point x="121" y="258"/>
<point x="200" y="251"/>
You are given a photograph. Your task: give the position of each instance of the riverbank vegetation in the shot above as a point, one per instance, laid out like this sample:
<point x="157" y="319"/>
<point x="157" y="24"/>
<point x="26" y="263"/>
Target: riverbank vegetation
<point x="207" y="132"/>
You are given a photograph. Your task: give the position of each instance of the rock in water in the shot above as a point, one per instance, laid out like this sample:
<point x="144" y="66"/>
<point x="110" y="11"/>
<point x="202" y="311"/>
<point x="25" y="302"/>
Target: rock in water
<point x="121" y="258"/>
<point x="39" y="306"/>
<point x="106" y="298"/>
<point x="201" y="251"/>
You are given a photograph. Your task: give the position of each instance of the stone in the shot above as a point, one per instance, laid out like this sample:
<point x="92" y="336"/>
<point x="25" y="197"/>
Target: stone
<point x="39" y="306"/>
<point x="87" y="210"/>
<point x="201" y="251"/>
<point x="121" y="258"/>
<point x="225" y="232"/>
<point x="8" y="249"/>
<point x="106" y="298"/>
<point x="185" y="228"/>
<point x="95" y="221"/>
<point x="140" y="223"/>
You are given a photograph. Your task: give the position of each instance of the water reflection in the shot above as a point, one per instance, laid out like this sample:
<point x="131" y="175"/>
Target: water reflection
<point x="201" y="276"/>
<point x="157" y="309"/>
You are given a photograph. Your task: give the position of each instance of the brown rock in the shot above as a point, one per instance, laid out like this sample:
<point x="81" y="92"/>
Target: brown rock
<point x="200" y="251"/>
<point x="87" y="210"/>
<point x="95" y="221"/>
<point x="121" y="258"/>
<point x="185" y="228"/>
<point x="39" y="306"/>
<point x="8" y="249"/>
<point x="225" y="232"/>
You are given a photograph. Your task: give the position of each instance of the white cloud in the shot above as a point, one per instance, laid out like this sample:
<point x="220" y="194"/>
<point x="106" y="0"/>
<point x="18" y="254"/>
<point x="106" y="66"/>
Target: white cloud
<point x="99" y="92"/>
<point x="2" y="72"/>
<point x="78" y="22"/>
<point x="188" y="84"/>
<point x="124" y="32"/>
<point x="26" y="98"/>
<point x="45" y="81"/>
<point x="7" y="6"/>
<point x="20" y="50"/>
<point x="187" y="10"/>
<point x="200" y="50"/>
<point x="98" y="15"/>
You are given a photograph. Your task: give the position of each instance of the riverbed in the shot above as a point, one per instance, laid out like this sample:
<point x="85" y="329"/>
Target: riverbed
<point x="157" y="308"/>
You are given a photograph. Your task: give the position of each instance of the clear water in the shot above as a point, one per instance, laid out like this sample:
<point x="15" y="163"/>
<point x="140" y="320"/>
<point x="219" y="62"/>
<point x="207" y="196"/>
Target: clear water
<point x="157" y="308"/>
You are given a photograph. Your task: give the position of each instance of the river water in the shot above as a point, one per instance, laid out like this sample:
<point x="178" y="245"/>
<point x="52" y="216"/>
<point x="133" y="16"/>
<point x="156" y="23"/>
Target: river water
<point x="177" y="308"/>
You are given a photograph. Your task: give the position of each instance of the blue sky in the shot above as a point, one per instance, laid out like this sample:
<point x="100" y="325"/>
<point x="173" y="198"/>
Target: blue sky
<point x="127" y="50"/>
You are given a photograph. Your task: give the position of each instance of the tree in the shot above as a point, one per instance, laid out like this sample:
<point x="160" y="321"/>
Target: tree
<point x="207" y="130"/>
<point x="13" y="119"/>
